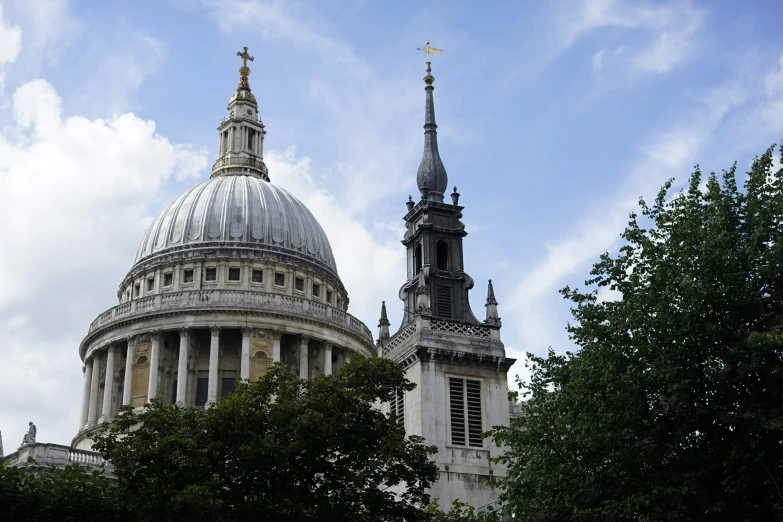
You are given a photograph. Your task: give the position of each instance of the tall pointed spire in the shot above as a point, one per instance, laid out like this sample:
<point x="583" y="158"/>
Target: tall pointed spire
<point x="492" y="306"/>
<point x="431" y="178"/>
<point x="383" y="325"/>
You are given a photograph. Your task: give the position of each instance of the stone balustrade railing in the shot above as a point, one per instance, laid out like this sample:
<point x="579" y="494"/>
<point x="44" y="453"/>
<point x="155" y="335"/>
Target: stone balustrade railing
<point x="41" y="454"/>
<point x="231" y="299"/>
<point x="237" y="160"/>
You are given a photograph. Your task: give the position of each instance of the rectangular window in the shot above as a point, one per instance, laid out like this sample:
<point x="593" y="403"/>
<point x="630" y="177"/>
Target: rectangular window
<point x="168" y="279"/>
<point x="279" y="279"/>
<point x="251" y="134"/>
<point x="316" y="290"/>
<point x="202" y="388"/>
<point x="233" y="273"/>
<point x="150" y="284"/>
<point x="210" y="274"/>
<point x="258" y="276"/>
<point x="299" y="284"/>
<point x="465" y="409"/>
<point x="188" y="275"/>
<point x="136" y="290"/>
<point x="397" y="405"/>
<point x="329" y="296"/>
<point x="227" y="385"/>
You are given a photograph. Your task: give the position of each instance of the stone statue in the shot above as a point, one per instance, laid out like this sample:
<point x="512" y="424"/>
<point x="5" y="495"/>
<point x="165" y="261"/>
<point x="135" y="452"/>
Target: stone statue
<point x="29" y="437"/>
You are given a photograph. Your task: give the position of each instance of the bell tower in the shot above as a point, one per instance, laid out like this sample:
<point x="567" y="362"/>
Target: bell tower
<point x="242" y="134"/>
<point x="458" y="363"/>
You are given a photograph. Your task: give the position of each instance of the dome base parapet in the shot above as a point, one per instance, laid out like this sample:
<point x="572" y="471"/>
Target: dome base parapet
<point x="199" y="302"/>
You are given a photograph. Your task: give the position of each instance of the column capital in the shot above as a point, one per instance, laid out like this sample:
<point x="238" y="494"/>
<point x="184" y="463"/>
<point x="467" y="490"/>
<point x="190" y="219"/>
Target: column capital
<point x="184" y="331"/>
<point x="246" y="331"/>
<point x="215" y="330"/>
<point x="304" y="338"/>
<point x="131" y="340"/>
<point x="328" y="345"/>
<point x="275" y="334"/>
<point x="155" y="335"/>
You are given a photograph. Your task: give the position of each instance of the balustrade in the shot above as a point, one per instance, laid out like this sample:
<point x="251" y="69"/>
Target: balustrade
<point x="231" y="299"/>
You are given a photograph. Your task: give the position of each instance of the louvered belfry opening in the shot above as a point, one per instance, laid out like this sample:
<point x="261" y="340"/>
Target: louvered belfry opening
<point x="397" y="405"/>
<point x="473" y="395"/>
<point x="457" y="403"/>
<point x="444" y="302"/>
<point x="465" y="405"/>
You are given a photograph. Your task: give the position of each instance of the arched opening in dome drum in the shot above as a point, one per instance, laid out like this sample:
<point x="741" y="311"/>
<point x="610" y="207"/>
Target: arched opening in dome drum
<point x="442" y="252"/>
<point x="417" y="259"/>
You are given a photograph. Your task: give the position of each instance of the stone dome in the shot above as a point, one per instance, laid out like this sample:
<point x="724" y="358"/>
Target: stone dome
<point x="242" y="211"/>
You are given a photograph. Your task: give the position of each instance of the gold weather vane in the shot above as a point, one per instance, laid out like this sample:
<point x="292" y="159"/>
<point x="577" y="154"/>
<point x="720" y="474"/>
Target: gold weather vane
<point x="429" y="50"/>
<point x="244" y="71"/>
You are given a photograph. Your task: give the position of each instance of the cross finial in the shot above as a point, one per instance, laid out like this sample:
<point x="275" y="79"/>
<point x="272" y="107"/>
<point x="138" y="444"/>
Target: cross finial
<point x="244" y="71"/>
<point x="245" y="56"/>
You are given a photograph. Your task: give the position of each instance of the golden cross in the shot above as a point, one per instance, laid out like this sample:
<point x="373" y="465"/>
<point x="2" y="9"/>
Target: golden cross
<point x="245" y="57"/>
<point x="429" y="50"/>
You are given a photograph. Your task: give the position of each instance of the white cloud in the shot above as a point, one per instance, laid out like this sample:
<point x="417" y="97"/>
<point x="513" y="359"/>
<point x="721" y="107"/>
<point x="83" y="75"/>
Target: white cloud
<point x="598" y="60"/>
<point x="10" y="46"/>
<point x="10" y="40"/>
<point x="537" y="306"/>
<point x="72" y="191"/>
<point x="664" y="34"/>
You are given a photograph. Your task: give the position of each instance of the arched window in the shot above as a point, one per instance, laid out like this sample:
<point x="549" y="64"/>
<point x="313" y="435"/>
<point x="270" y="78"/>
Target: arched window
<point x="443" y="255"/>
<point x="417" y="259"/>
<point x="142" y="359"/>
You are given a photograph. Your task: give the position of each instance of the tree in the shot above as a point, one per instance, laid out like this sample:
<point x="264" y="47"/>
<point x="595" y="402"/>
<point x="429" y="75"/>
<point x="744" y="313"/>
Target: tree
<point x="277" y="449"/>
<point x="57" y="495"/>
<point x="672" y="409"/>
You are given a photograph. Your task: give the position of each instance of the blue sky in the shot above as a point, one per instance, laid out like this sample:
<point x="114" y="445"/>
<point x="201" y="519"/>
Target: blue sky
<point x="554" y="117"/>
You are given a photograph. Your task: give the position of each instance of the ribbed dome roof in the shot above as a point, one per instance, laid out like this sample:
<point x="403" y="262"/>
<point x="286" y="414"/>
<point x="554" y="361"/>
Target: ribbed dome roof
<point x="238" y="211"/>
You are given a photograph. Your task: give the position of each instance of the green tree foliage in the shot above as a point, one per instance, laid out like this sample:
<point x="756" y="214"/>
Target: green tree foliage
<point x="277" y="449"/>
<point x="673" y="407"/>
<point x="57" y="495"/>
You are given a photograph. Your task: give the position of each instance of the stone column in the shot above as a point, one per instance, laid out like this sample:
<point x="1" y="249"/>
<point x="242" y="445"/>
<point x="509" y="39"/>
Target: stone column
<point x="276" y="335"/>
<point x="303" y="356"/>
<point x="182" y="367"/>
<point x="152" y="390"/>
<point x="92" y="414"/>
<point x="214" y="353"/>
<point x="244" y="363"/>
<point x="108" y="389"/>
<point x="327" y="358"/>
<point x="87" y="370"/>
<point x="128" y="381"/>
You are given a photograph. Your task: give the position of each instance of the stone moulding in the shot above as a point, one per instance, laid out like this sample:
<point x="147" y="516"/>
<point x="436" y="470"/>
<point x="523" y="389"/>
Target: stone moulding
<point x="240" y="301"/>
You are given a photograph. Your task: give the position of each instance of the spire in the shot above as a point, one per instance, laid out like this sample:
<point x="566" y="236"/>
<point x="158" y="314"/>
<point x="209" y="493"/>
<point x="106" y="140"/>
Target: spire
<point x="431" y="178"/>
<point x="492" y="306"/>
<point x="383" y="325"/>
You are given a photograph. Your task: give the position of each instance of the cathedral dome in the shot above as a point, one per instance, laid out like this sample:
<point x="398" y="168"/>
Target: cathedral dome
<point x="242" y="211"/>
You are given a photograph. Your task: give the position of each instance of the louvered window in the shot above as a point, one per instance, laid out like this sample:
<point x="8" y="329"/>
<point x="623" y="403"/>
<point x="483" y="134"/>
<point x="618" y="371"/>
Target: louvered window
<point x="465" y="406"/>
<point x="397" y="405"/>
<point x="444" y="302"/>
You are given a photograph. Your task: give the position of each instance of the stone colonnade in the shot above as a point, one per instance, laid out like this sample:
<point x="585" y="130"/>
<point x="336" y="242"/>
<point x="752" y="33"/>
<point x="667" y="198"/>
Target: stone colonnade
<point x="101" y="368"/>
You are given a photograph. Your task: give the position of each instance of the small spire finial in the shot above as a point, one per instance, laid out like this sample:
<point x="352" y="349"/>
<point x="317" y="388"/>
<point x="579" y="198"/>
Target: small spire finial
<point x="492" y="306"/>
<point x="244" y="71"/>
<point x="383" y="324"/>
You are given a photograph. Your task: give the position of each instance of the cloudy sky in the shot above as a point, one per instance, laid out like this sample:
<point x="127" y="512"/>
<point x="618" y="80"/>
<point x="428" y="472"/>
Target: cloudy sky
<point x="554" y="117"/>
